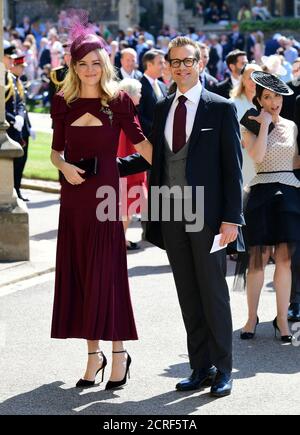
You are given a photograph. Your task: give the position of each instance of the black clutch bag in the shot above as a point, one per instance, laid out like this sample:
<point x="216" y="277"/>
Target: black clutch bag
<point x="251" y="124"/>
<point x="90" y="166"/>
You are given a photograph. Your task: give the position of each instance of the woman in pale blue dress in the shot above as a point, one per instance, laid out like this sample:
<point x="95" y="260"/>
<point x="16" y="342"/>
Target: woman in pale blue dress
<point x="242" y="97"/>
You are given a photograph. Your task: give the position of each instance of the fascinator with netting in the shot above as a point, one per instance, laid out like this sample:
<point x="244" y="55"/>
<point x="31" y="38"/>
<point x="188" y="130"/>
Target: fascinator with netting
<point x="271" y="82"/>
<point x="82" y="35"/>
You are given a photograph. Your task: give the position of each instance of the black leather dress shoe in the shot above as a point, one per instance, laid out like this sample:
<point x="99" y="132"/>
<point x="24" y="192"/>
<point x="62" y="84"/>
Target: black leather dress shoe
<point x="199" y="378"/>
<point x="294" y="312"/>
<point x="132" y="246"/>
<point x="222" y="385"/>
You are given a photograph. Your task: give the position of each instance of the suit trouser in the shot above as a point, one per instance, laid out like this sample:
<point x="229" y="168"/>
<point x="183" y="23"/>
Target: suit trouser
<point x="19" y="165"/>
<point x="295" y="295"/>
<point x="203" y="295"/>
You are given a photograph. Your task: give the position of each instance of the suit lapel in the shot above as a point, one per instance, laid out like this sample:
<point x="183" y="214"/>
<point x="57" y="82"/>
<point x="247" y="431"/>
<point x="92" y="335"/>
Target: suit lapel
<point x="200" y="118"/>
<point x="150" y="88"/>
<point x="160" y="133"/>
<point x="162" y="88"/>
<point x="166" y="108"/>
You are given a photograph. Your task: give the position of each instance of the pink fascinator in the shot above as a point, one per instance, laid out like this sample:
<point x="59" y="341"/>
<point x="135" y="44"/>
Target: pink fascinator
<point x="82" y="35"/>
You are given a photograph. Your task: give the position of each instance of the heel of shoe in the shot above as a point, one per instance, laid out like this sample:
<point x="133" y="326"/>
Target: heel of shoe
<point x="116" y="384"/>
<point x="283" y="338"/>
<point x="103" y="370"/>
<point x="275" y="326"/>
<point x="85" y="383"/>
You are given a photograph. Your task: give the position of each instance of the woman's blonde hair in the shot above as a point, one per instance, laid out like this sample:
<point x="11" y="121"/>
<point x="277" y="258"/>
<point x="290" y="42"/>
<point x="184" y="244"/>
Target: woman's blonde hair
<point x="108" y="85"/>
<point x="239" y="90"/>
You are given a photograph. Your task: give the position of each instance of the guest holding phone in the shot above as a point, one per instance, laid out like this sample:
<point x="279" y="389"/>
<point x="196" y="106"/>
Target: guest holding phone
<point x="92" y="299"/>
<point x="272" y="212"/>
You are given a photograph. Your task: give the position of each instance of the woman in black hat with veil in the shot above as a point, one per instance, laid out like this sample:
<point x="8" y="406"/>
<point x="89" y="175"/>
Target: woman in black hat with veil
<point x="272" y="212"/>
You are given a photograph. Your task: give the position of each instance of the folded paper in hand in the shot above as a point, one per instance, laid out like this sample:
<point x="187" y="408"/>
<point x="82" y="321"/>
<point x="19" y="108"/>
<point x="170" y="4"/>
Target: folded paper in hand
<point x="216" y="245"/>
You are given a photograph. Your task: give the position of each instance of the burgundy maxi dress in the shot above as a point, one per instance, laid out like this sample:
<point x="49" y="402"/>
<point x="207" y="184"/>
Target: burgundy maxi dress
<point x="92" y="299"/>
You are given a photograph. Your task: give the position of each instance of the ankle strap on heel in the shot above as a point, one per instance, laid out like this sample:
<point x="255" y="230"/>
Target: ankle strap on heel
<point x="119" y="351"/>
<point x="95" y="353"/>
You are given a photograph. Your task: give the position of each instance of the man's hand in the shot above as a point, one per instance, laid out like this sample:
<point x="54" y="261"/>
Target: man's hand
<point x="229" y="233"/>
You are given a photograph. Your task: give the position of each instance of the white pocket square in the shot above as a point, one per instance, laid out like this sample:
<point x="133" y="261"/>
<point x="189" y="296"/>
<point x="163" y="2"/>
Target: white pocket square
<point x="206" y="129"/>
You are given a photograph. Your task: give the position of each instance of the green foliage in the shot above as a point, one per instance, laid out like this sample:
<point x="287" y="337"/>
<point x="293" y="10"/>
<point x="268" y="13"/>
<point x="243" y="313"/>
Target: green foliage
<point x="273" y="25"/>
<point x="38" y="165"/>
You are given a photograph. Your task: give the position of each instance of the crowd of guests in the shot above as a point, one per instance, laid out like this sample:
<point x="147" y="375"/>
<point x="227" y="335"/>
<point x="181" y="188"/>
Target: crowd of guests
<point x="144" y="72"/>
<point x="43" y="45"/>
<point x="219" y="12"/>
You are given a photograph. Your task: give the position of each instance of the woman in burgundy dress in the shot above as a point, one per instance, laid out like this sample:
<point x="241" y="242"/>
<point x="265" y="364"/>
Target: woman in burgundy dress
<point x="92" y="299"/>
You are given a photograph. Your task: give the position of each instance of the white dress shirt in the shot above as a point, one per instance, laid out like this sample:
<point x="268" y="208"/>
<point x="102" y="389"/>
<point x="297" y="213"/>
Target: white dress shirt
<point x="126" y="75"/>
<point x="235" y="81"/>
<point x="193" y="96"/>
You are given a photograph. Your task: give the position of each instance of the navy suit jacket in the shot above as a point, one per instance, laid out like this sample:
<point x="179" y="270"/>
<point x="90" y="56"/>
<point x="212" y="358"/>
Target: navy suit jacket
<point x="137" y="74"/>
<point x="214" y="161"/>
<point x="289" y="102"/>
<point x="147" y="104"/>
<point x="224" y="88"/>
<point x="297" y="121"/>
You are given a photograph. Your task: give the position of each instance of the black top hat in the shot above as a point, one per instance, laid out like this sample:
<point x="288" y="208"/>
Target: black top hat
<point x="271" y="82"/>
<point x="9" y="49"/>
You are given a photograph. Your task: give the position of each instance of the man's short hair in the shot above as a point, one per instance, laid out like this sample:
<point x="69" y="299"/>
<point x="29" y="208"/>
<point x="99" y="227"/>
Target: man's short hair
<point x="203" y="46"/>
<point x="232" y="57"/>
<point x="150" y="55"/>
<point x="128" y="50"/>
<point x="182" y="41"/>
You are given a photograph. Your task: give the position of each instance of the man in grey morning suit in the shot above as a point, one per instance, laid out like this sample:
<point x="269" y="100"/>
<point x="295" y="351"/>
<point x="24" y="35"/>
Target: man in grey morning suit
<point x="196" y="142"/>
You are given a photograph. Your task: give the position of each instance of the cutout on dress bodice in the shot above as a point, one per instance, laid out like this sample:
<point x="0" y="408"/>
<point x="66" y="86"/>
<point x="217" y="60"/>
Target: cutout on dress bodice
<point x="87" y="120"/>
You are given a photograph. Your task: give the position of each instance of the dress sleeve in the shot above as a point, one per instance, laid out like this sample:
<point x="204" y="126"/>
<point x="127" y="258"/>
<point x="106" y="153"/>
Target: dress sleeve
<point x="58" y="114"/>
<point x="125" y="112"/>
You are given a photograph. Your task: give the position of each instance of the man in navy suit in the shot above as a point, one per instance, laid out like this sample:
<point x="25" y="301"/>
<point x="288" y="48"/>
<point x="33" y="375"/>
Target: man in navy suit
<point x="196" y="142"/>
<point x="235" y="61"/>
<point x="294" y="308"/>
<point x="153" y="89"/>
<point x="128" y="65"/>
<point x="236" y="38"/>
<point x="208" y="81"/>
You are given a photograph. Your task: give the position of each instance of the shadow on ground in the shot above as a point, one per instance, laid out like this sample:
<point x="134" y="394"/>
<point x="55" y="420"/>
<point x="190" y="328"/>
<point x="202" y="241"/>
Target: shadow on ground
<point x="262" y="356"/>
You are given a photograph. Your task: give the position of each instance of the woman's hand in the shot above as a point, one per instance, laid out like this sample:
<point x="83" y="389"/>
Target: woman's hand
<point x="71" y="174"/>
<point x="145" y="149"/>
<point x="264" y="118"/>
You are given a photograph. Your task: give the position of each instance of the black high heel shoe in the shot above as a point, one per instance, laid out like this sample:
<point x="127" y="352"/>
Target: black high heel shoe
<point x="249" y="335"/>
<point x="284" y="338"/>
<point x="112" y="385"/>
<point x="85" y="382"/>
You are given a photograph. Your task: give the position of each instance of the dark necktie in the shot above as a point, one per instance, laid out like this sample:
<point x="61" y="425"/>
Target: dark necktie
<point x="179" y="125"/>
